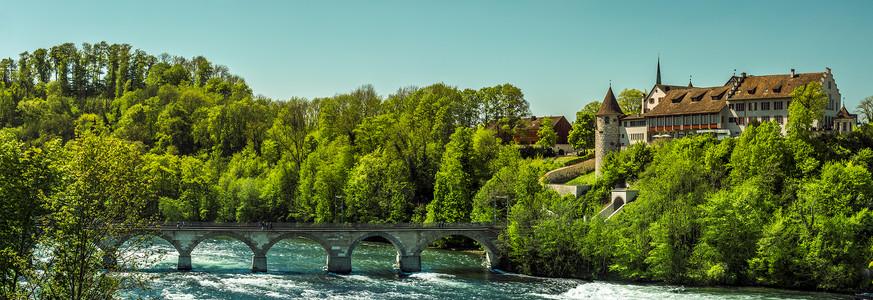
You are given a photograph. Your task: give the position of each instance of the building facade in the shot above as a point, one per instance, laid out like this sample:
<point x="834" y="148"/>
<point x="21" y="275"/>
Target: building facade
<point x="671" y="111"/>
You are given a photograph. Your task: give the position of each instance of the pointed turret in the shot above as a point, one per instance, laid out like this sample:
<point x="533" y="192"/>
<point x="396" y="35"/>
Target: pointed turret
<point x="658" y="79"/>
<point x="607" y="136"/>
<point x="610" y="105"/>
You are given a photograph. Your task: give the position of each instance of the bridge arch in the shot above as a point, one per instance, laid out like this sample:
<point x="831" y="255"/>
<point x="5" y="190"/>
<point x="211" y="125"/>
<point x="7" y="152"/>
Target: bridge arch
<point x="321" y="242"/>
<point x="491" y="251"/>
<point x="394" y="241"/>
<point x="123" y="239"/>
<point x="212" y="234"/>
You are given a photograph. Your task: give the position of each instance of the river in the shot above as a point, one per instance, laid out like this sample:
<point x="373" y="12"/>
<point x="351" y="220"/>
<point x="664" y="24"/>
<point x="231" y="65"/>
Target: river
<point x="295" y="271"/>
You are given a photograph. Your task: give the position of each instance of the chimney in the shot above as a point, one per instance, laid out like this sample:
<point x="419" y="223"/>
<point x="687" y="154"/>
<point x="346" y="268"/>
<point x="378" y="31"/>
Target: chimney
<point x="743" y="74"/>
<point x="792" y="73"/>
<point x="828" y="70"/>
<point x="533" y="118"/>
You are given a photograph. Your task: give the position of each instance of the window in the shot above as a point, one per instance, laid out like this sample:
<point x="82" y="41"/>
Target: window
<point x="732" y="120"/>
<point x="777" y="105"/>
<point x="651" y="100"/>
<point x="741" y="121"/>
<point x="696" y="120"/>
<point x="756" y="106"/>
<point x="765" y="118"/>
<point x="778" y="119"/>
<point x="731" y="106"/>
<point x="677" y="121"/>
<point x="687" y="120"/>
<point x="606" y="120"/>
<point x="740" y="107"/>
<point x="625" y="123"/>
<point x="765" y="105"/>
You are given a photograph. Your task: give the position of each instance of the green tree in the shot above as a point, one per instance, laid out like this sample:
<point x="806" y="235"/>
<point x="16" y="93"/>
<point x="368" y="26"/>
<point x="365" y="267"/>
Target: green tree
<point x="27" y="177"/>
<point x="41" y="65"/>
<point x="807" y="106"/>
<point x="504" y="103"/>
<point x="204" y="70"/>
<point x="591" y="108"/>
<point x="454" y="187"/>
<point x="582" y="134"/>
<point x="546" y="133"/>
<point x="630" y="101"/>
<point x="105" y="195"/>
<point x="7" y="73"/>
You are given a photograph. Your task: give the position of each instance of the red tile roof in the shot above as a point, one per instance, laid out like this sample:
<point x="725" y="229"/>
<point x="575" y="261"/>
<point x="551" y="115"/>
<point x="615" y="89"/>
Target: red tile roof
<point x="691" y="101"/>
<point x="772" y="86"/>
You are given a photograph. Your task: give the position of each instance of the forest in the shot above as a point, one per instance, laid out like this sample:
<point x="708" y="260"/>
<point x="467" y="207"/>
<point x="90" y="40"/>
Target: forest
<point x="112" y="127"/>
<point x="215" y="152"/>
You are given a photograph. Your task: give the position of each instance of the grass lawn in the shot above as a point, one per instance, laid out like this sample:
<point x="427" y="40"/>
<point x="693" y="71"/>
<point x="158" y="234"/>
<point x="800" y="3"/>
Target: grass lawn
<point x="585" y="179"/>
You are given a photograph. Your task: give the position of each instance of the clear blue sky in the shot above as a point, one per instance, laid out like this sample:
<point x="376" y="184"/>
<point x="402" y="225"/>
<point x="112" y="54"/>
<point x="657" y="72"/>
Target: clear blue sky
<point x="562" y="54"/>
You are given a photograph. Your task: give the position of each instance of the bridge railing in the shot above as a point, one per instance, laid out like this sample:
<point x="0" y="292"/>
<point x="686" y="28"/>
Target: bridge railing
<point x="283" y="225"/>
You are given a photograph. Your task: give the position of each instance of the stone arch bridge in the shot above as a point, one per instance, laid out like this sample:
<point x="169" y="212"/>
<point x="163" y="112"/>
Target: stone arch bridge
<point x="338" y="240"/>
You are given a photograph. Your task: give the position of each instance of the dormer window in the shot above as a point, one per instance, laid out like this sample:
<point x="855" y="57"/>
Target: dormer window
<point x="716" y="97"/>
<point x="752" y="91"/>
<point x="777" y="89"/>
<point x="695" y="99"/>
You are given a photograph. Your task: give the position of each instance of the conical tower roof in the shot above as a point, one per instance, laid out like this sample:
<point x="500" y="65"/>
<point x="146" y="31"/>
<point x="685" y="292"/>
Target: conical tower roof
<point x="609" y="106"/>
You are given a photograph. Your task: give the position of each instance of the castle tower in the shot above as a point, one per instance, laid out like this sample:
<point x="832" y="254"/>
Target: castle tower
<point x="607" y="134"/>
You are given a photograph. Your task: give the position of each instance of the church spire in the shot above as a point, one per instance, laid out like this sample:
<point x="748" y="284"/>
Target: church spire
<point x="658" y="79"/>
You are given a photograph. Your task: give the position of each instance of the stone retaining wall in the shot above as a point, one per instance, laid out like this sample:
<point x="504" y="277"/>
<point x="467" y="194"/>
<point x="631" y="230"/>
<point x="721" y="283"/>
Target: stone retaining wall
<point x="567" y="173"/>
<point x="563" y="189"/>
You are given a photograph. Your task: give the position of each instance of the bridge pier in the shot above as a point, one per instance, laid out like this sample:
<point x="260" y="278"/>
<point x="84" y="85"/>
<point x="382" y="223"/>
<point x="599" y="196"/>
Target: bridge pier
<point x="492" y="260"/>
<point x="259" y="263"/>
<point x="339" y="264"/>
<point x="409" y="263"/>
<point x="184" y="262"/>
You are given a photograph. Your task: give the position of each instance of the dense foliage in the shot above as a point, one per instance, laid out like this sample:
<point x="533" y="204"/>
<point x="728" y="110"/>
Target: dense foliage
<point x="761" y="209"/>
<point x="215" y="152"/>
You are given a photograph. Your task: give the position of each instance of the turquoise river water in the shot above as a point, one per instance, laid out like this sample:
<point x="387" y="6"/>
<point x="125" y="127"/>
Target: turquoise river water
<point x="295" y="272"/>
